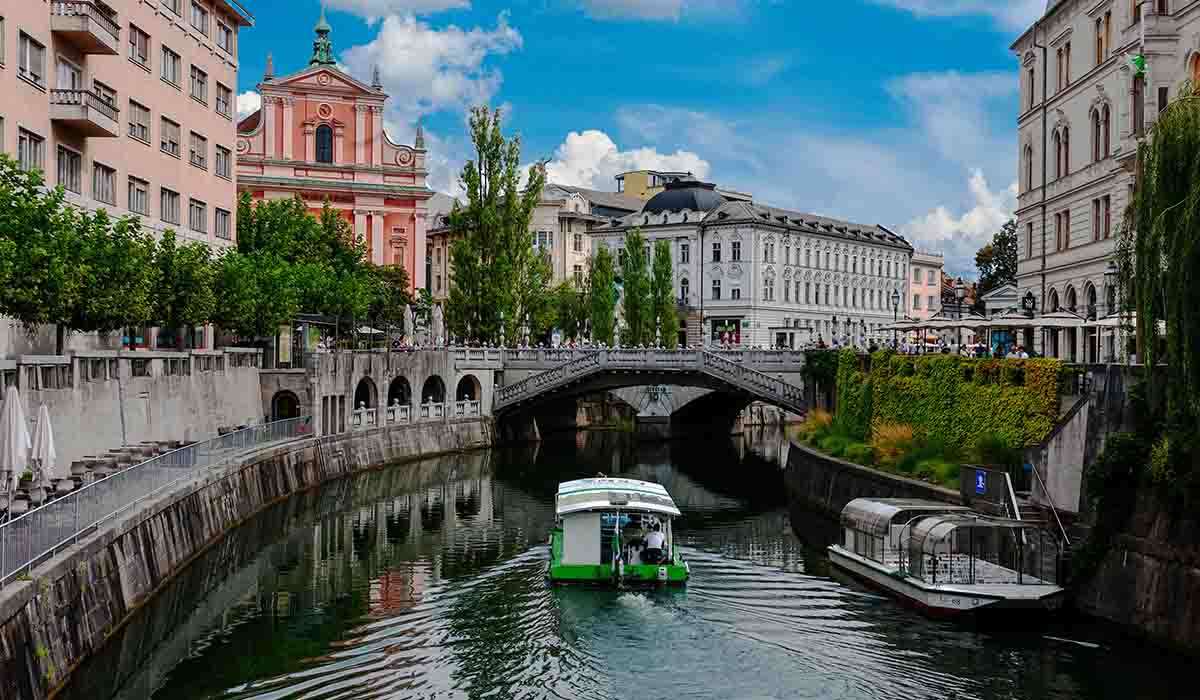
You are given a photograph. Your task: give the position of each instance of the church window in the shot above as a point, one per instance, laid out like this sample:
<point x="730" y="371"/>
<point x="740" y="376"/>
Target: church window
<point x="324" y="144"/>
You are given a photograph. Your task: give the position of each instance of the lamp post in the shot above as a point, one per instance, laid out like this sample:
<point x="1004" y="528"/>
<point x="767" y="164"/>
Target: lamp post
<point x="895" y="316"/>
<point x="862" y="330"/>
<point x="1110" y="301"/>
<point x="833" y="334"/>
<point x="960" y="293"/>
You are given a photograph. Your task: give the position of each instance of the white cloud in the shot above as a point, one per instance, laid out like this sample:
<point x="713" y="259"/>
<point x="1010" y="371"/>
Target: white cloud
<point x="958" y="237"/>
<point x="426" y="70"/>
<point x="372" y="10"/>
<point x="952" y="110"/>
<point x="248" y="103"/>
<point x="591" y="159"/>
<point x="1015" y="15"/>
<point x="660" y="10"/>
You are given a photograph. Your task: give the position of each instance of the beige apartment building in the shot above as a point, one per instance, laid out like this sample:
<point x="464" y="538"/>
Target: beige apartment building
<point x="128" y="105"/>
<point x="925" y="287"/>
<point x="1083" y="110"/>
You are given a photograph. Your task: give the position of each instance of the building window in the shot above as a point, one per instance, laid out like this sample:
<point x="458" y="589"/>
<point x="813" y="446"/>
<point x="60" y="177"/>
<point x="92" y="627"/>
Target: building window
<point x="685" y="253"/>
<point x="735" y="251"/>
<point x="1163" y="98"/>
<point x="225" y="37"/>
<point x="807" y="258"/>
<point x="1162" y="7"/>
<point x="787" y="291"/>
<point x="139" y="200"/>
<point x="1062" y="151"/>
<point x="221" y="224"/>
<point x="716" y="289"/>
<point x="768" y="290"/>
<point x="200" y="18"/>
<point x="139" y="122"/>
<point x="1106" y="205"/>
<point x="198" y="152"/>
<point x="70" y="169"/>
<point x="577" y="273"/>
<point x="171" y="66"/>
<point x="172" y="5"/>
<point x="1028" y="240"/>
<point x="684" y="291"/>
<point x="139" y="47"/>
<point x="577" y="242"/>
<point x="1097" y="224"/>
<point x="929" y="303"/>
<point x="916" y="275"/>
<point x="324" y="144"/>
<point x="735" y="293"/>
<point x="716" y="254"/>
<point x="1139" y="105"/>
<point x="31" y="63"/>
<point x="916" y="302"/>
<point x="1136" y="11"/>
<point x="224" y="101"/>
<point x="104" y="184"/>
<point x="199" y="85"/>
<point x="31" y="150"/>
<point x="197" y="216"/>
<point x="169" y="136"/>
<point x="224" y="158"/>
<point x="168" y="206"/>
<point x="929" y="279"/>
<point x="1032" y="89"/>
<point x="3" y="41"/>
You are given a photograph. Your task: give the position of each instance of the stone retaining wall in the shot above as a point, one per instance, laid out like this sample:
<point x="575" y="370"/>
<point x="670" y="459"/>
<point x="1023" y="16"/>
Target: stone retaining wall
<point x="73" y="604"/>
<point x="825" y="484"/>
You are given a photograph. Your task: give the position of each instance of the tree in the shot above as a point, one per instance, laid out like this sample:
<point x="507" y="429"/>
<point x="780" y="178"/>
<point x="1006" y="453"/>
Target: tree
<point x="184" y="295"/>
<point x="997" y="261"/>
<point x="498" y="274"/>
<point x="602" y="295"/>
<point x="390" y="295"/>
<point x="637" y="305"/>
<point x="257" y="293"/>
<point x="664" y="295"/>
<point x="116" y="272"/>
<point x="571" y="309"/>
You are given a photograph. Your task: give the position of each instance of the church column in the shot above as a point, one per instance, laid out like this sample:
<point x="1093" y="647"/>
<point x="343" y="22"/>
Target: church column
<point x="288" y="105"/>
<point x="377" y="130"/>
<point x="270" y="128"/>
<point x="377" y="236"/>
<point x="339" y="143"/>
<point x="360" y="226"/>
<point x="360" y="134"/>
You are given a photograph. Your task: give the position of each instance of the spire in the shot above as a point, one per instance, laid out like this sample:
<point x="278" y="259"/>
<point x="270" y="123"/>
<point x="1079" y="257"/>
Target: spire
<point x="269" y="74"/>
<point x="419" y="142"/>
<point x="375" y="81"/>
<point x="322" y="46"/>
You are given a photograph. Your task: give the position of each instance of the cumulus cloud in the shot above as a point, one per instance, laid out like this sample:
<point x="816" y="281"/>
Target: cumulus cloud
<point x="953" y="109"/>
<point x="426" y="70"/>
<point x="248" y="103"/>
<point x="659" y="10"/>
<point x="372" y="10"/>
<point x="591" y="159"/>
<point x="1013" y="15"/>
<point x="959" y="236"/>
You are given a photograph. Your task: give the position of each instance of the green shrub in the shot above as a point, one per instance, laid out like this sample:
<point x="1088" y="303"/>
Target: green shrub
<point x="937" y="471"/>
<point x="833" y="445"/>
<point x="991" y="449"/>
<point x="859" y="453"/>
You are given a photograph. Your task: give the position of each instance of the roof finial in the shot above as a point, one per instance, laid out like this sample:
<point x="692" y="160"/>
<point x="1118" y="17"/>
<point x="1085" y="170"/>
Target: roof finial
<point x="375" y="81"/>
<point x="269" y="74"/>
<point x="322" y="46"/>
<point x="419" y="142"/>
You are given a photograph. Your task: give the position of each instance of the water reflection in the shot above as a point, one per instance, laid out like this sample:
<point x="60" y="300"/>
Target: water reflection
<point x="428" y="581"/>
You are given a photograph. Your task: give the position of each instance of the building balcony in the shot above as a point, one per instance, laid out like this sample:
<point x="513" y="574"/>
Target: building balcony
<point x="86" y="112"/>
<point x="90" y="26"/>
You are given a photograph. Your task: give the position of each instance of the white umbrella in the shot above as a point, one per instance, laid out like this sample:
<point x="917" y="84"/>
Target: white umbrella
<point x="14" y="440"/>
<point x="42" y="451"/>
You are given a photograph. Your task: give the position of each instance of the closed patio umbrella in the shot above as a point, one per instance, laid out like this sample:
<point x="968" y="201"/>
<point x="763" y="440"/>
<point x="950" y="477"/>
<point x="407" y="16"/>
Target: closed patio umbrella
<point x="42" y="450"/>
<point x="14" y="441"/>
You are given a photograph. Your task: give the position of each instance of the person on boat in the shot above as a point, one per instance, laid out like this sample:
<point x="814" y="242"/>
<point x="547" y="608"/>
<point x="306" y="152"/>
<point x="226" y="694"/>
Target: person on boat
<point x="654" y="540"/>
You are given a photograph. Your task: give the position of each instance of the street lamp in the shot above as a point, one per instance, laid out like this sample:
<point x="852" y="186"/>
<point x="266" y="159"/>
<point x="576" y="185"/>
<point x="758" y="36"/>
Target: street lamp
<point x="895" y="316"/>
<point x="862" y="329"/>
<point x="1110" y="301"/>
<point x="960" y="293"/>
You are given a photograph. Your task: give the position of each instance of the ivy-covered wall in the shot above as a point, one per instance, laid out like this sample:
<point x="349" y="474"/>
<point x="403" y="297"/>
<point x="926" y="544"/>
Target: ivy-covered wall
<point x="949" y="398"/>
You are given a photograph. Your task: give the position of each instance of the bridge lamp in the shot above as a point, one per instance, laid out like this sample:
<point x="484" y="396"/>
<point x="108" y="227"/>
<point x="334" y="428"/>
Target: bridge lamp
<point x="895" y="315"/>
<point x="960" y="293"/>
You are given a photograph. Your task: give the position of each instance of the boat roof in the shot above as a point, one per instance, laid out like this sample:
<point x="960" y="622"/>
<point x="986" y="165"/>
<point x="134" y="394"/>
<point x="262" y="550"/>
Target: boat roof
<point x="607" y="493"/>
<point x="941" y="526"/>
<point x="875" y="515"/>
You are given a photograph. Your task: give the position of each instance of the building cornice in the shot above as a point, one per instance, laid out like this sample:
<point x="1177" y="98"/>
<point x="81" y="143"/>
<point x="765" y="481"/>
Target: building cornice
<point x="325" y="167"/>
<point x="301" y="183"/>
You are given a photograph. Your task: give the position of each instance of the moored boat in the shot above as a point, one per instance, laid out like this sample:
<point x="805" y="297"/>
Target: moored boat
<point x="948" y="560"/>
<point x="615" y="531"/>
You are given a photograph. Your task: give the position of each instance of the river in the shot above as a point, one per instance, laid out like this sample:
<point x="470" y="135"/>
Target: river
<point x="428" y="581"/>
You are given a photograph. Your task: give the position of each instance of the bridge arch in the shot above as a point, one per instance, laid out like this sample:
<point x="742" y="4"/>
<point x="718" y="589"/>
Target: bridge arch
<point x="468" y="389"/>
<point x="433" y="390"/>
<point x="285" y="404"/>
<point x="399" y="392"/>
<point x="366" y="395"/>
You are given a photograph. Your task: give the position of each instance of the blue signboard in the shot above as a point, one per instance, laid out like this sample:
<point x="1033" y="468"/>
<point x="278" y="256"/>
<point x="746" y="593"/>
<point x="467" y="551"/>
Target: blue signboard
<point x="980" y="482"/>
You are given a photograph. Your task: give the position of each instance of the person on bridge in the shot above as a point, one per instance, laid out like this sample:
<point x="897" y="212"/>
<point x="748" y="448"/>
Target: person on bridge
<point x="653" y="553"/>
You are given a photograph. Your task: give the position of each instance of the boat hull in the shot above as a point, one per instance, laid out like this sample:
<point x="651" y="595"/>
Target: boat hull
<point x="946" y="601"/>
<point x="672" y="573"/>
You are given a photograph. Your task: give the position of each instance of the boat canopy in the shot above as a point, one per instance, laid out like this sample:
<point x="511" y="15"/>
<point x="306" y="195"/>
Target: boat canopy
<point x="608" y="493"/>
<point x="875" y="516"/>
<point x="975" y="549"/>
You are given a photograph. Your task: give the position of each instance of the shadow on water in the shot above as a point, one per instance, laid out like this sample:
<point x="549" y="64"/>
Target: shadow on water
<point x="428" y="581"/>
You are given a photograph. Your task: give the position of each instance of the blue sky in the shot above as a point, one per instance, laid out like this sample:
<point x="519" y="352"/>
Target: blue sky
<point x="898" y="112"/>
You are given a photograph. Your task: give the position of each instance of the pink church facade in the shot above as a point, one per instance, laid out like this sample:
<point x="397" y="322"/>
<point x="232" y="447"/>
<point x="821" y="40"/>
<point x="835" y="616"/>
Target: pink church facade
<point x="320" y="135"/>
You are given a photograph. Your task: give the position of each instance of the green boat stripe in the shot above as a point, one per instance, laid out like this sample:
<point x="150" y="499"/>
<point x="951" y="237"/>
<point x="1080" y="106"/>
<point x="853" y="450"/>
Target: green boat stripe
<point x="648" y="493"/>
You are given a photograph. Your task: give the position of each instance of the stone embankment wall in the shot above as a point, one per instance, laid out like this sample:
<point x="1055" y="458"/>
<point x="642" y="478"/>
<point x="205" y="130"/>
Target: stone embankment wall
<point x="818" y="482"/>
<point x="72" y="605"/>
<point x="1149" y="581"/>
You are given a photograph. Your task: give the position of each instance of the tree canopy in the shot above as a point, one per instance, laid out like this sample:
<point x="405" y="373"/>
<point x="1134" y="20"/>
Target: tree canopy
<point x="664" y="295"/>
<point x="602" y="295"/>
<point x="997" y="261"/>
<point x="637" y="303"/>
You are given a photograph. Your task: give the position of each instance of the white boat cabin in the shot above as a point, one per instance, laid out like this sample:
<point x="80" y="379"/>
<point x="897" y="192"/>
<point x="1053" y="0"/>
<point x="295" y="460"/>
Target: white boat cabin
<point x="592" y="511"/>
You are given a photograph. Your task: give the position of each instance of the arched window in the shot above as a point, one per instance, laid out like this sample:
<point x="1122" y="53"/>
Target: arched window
<point x="1097" y="136"/>
<point x="683" y="291"/>
<point x="1053" y="303"/>
<point x="1195" y="72"/>
<point x="1028" y="177"/>
<point x="716" y="289"/>
<point x="1071" y="301"/>
<point x="324" y="144"/>
<point x="1058" y="172"/>
<point x="1066" y="141"/>
<point x="1106" y="127"/>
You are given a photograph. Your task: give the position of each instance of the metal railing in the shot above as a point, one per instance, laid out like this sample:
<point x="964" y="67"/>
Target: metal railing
<point x="86" y="8"/>
<point x="27" y="540"/>
<point x="84" y="97"/>
<point x="1053" y="509"/>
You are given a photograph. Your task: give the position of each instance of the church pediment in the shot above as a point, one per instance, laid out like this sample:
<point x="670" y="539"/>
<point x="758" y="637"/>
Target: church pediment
<point x="319" y="78"/>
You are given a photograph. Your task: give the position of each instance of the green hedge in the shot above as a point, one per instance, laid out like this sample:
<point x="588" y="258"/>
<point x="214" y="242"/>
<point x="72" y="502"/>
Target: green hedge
<point x="949" y="399"/>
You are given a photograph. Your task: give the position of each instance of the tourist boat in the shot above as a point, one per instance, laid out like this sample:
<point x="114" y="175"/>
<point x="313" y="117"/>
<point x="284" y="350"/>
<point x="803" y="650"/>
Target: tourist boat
<point x="948" y="560"/>
<point x="602" y="527"/>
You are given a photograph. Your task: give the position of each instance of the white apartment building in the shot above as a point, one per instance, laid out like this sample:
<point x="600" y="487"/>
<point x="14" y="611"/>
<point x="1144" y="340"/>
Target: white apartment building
<point x="925" y="286"/>
<point x="1083" y="110"/>
<point x="753" y="275"/>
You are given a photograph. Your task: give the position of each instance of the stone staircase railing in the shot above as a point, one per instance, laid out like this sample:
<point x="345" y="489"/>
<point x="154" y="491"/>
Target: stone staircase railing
<point x="737" y="374"/>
